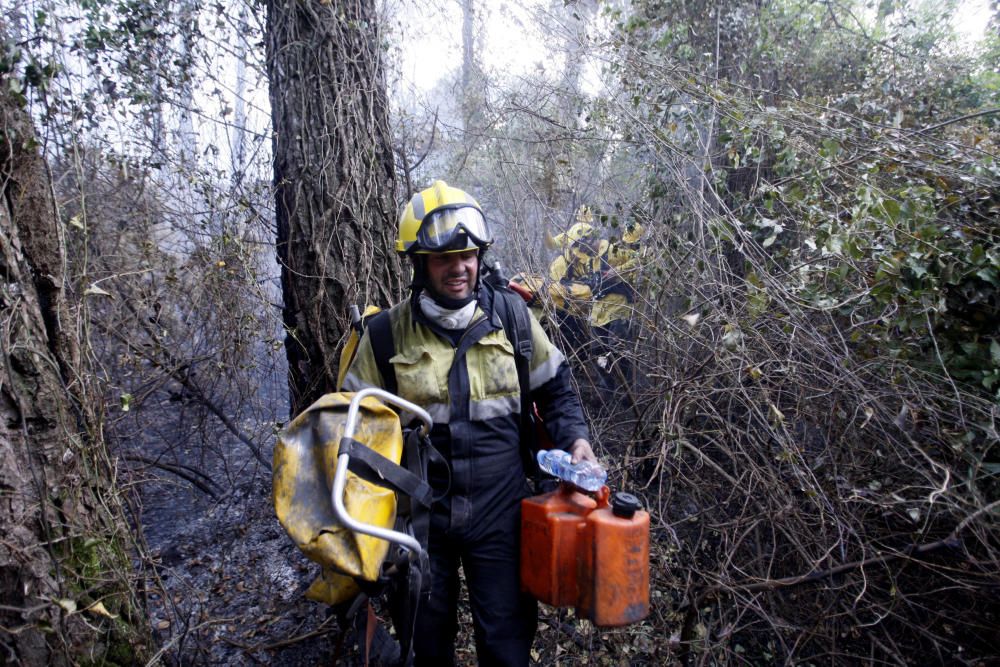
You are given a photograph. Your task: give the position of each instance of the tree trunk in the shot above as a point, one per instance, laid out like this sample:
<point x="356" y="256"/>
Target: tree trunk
<point x="61" y="521"/>
<point x="334" y="179"/>
<point x="470" y="71"/>
<point x="238" y="139"/>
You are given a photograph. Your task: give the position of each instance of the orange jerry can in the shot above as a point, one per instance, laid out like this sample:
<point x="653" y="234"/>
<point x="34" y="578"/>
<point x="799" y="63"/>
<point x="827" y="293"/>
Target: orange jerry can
<point x="614" y="565"/>
<point x="551" y="528"/>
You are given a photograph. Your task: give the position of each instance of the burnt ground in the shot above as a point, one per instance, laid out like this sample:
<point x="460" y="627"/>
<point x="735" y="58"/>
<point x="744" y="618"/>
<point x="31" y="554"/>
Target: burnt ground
<point x="226" y="584"/>
<point x="229" y="583"/>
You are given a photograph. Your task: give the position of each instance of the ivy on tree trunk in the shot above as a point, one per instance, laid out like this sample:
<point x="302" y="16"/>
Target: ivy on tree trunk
<point x="62" y="552"/>
<point x="334" y="179"/>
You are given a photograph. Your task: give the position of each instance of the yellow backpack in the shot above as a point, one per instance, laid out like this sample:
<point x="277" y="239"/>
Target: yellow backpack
<point x="305" y="458"/>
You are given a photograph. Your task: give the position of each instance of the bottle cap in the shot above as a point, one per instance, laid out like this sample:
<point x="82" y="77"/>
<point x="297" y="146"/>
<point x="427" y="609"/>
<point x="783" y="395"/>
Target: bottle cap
<point x="624" y="504"/>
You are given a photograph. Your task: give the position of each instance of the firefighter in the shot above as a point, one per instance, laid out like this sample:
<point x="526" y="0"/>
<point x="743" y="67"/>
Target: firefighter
<point x="576" y="276"/>
<point x="614" y="301"/>
<point x="453" y="358"/>
<point x="581" y="250"/>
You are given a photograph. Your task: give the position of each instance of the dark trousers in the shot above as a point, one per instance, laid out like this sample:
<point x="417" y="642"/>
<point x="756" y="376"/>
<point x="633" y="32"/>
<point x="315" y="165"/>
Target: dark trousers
<point x="504" y="619"/>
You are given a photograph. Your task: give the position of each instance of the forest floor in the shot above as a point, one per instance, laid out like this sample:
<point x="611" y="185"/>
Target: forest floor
<point x="229" y="585"/>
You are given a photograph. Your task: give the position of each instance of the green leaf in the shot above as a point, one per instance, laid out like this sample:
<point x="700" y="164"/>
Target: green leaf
<point x="793" y="194"/>
<point x="835" y="244"/>
<point x="889" y="265"/>
<point x="891" y="208"/>
<point x="995" y="353"/>
<point x="830" y="148"/>
<point x="989" y="274"/>
<point x="978" y="255"/>
<point x="970" y="349"/>
<point x="126" y="402"/>
<point x="853" y="249"/>
<point x="758" y="298"/>
<point x="990" y="379"/>
<point x="919" y="268"/>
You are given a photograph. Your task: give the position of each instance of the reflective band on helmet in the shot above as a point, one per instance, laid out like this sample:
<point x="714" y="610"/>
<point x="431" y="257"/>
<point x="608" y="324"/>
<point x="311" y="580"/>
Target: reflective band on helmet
<point x="439" y="229"/>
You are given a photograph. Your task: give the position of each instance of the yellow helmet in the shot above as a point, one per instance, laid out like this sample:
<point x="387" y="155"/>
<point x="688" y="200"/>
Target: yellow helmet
<point x="633" y="232"/>
<point x="581" y="231"/>
<point x="442" y="219"/>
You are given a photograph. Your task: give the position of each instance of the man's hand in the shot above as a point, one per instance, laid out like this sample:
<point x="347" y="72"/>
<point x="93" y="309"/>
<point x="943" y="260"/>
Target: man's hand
<point x="581" y="450"/>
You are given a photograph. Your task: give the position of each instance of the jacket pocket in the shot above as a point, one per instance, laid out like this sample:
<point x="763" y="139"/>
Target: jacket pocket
<point x="420" y="378"/>
<point x="492" y="370"/>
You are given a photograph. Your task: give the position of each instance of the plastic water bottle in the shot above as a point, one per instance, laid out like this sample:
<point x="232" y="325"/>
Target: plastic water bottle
<point x="585" y="474"/>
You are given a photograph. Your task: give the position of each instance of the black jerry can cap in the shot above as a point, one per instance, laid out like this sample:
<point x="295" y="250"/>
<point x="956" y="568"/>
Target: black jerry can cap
<point x="624" y="504"/>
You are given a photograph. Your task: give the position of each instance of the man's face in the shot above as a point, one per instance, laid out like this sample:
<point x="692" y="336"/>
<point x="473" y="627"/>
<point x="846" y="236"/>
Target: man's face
<point x="453" y="274"/>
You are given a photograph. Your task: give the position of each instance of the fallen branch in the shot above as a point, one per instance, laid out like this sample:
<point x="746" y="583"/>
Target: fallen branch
<point x="158" y="656"/>
<point x="186" y="473"/>
<point x="318" y="632"/>
<point x="180" y="373"/>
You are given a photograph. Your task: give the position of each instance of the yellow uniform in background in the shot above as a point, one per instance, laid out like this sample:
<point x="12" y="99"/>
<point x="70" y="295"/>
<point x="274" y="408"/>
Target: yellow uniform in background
<point x="615" y="300"/>
<point x="576" y="273"/>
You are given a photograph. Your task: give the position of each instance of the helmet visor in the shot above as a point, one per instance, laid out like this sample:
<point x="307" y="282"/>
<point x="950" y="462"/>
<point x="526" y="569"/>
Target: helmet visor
<point x="440" y="229"/>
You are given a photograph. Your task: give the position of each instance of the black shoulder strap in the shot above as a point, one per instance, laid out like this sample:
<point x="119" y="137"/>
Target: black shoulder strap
<point x="372" y="467"/>
<point x="383" y="347"/>
<point x="516" y="322"/>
